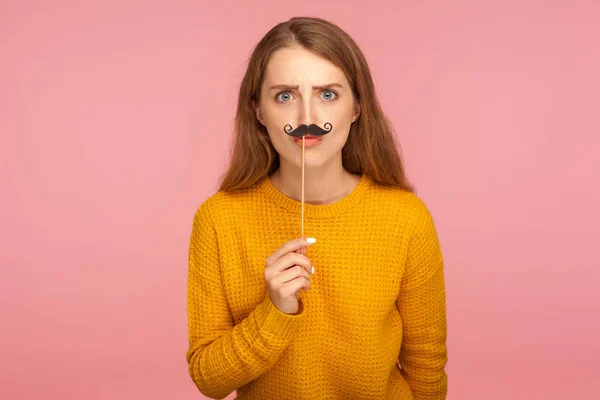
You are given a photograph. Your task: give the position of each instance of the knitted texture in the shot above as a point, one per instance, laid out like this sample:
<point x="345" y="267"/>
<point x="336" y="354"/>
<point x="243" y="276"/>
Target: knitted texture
<point x="376" y="301"/>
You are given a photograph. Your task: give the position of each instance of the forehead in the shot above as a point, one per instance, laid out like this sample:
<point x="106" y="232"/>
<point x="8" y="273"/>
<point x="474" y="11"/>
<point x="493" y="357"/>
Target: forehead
<point x="296" y="65"/>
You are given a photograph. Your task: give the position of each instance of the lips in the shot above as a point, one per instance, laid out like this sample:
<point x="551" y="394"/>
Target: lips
<point x="309" y="141"/>
<point x="309" y="136"/>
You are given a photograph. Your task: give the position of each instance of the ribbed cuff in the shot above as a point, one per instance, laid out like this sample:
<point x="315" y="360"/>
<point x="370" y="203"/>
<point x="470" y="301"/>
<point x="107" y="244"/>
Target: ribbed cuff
<point x="275" y="321"/>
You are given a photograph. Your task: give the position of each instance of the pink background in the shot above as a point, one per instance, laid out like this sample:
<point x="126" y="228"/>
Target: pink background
<point x="115" y="120"/>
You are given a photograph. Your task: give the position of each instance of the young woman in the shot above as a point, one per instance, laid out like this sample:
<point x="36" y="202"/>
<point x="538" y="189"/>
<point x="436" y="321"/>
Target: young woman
<point x="355" y="308"/>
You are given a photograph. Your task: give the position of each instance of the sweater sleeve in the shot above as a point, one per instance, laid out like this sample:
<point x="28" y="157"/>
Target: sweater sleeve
<point x="422" y="306"/>
<point x="223" y="356"/>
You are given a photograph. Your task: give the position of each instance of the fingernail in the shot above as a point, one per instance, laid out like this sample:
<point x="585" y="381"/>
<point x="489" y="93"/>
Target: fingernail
<point x="311" y="240"/>
<point x="313" y="270"/>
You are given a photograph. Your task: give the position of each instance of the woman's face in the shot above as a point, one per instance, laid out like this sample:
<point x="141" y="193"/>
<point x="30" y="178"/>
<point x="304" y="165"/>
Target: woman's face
<point x="300" y="87"/>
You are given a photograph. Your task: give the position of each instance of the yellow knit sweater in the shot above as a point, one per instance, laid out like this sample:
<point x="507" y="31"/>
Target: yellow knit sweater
<point x="377" y="298"/>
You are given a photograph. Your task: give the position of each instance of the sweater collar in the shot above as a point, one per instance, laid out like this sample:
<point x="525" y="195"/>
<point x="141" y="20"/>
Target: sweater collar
<point x="317" y="210"/>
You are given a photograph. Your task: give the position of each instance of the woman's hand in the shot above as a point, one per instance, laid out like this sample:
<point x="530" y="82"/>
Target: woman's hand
<point x="287" y="271"/>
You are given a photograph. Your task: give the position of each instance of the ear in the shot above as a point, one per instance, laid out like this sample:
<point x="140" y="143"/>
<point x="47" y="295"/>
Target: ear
<point x="258" y="112"/>
<point x="357" y="111"/>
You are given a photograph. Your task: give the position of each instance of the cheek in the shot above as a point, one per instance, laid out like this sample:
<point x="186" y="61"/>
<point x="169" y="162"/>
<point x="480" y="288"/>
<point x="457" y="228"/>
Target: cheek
<point x="340" y="133"/>
<point x="276" y="122"/>
<point x="277" y="132"/>
<point x="340" y="117"/>
<point x="277" y="135"/>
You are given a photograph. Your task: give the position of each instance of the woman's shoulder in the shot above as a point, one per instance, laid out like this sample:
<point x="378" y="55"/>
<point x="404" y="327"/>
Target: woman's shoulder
<point x="405" y="204"/>
<point x="226" y="202"/>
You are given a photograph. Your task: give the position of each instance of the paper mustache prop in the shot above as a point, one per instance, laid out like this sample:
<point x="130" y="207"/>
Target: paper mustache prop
<point x="301" y="131"/>
<point x="314" y="130"/>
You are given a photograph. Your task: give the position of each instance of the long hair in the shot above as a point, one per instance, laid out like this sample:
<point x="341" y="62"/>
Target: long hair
<point x="371" y="147"/>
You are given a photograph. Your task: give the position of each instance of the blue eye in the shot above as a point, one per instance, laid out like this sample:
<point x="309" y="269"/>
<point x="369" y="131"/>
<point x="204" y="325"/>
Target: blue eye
<point x="331" y="92"/>
<point x="287" y="97"/>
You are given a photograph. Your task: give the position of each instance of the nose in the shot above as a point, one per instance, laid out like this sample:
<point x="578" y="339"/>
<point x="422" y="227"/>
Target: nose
<point x="307" y="111"/>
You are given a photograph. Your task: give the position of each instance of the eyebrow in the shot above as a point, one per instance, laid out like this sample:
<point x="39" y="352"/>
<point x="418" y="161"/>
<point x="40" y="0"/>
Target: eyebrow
<point x="295" y="87"/>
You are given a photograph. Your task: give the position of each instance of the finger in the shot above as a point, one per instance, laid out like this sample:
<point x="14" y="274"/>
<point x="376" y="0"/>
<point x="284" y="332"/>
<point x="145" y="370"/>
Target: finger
<point x="295" y="285"/>
<point x="301" y="250"/>
<point x="293" y="273"/>
<point x="289" y="247"/>
<point x="290" y="260"/>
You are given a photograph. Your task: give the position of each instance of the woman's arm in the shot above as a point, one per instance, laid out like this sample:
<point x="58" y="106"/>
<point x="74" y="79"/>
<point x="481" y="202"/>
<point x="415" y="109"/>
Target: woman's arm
<point x="223" y="356"/>
<point x="422" y="305"/>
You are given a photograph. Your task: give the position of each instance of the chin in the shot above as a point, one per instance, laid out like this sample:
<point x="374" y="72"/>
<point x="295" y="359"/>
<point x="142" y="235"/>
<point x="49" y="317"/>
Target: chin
<point x="311" y="161"/>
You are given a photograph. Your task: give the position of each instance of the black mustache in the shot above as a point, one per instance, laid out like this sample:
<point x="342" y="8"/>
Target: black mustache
<point x="313" y="129"/>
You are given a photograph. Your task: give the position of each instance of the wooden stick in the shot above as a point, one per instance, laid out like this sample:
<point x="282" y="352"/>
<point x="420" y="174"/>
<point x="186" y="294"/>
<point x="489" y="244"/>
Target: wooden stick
<point x="302" y="186"/>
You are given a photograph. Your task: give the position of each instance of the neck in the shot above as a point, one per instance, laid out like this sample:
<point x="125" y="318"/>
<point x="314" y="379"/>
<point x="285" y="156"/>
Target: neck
<point x="322" y="185"/>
